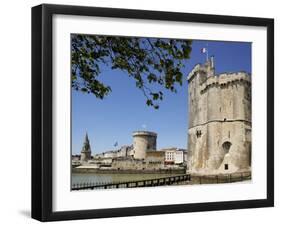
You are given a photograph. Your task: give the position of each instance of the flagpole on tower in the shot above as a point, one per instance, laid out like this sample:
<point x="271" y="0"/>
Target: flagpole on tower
<point x="205" y="51"/>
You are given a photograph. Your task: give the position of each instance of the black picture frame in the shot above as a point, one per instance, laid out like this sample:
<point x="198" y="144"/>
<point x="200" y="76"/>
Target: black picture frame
<point x="42" y="111"/>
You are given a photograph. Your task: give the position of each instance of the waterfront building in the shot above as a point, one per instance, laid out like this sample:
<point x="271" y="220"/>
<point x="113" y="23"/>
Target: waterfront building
<point x="110" y="154"/>
<point x="178" y="159"/>
<point x="155" y="157"/>
<point x="75" y="157"/>
<point x="141" y="156"/>
<point x="174" y="155"/>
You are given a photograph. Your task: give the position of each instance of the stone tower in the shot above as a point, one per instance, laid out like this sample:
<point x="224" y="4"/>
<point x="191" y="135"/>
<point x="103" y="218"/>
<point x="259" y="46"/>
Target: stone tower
<point x="86" y="150"/>
<point x="219" y="133"/>
<point x="143" y="141"/>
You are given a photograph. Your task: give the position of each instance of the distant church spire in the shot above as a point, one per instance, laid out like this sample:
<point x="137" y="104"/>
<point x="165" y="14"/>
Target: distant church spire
<point x="86" y="138"/>
<point x="86" y="149"/>
<point x="86" y="145"/>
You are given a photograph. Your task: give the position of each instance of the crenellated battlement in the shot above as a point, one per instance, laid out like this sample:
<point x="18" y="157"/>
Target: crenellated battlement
<point x="206" y="70"/>
<point x="193" y="72"/>
<point x="225" y="79"/>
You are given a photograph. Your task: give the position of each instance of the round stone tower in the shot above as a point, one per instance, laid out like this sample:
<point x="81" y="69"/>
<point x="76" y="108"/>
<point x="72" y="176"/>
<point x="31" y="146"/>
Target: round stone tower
<point x="143" y="141"/>
<point x="86" y="150"/>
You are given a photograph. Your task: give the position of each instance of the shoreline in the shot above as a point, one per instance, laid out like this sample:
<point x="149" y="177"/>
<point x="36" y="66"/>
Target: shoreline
<point x="110" y="171"/>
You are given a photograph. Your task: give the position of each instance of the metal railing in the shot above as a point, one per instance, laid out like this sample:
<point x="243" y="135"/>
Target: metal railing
<point x="179" y="179"/>
<point x="133" y="184"/>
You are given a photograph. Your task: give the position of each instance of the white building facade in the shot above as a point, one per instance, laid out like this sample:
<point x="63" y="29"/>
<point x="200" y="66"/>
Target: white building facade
<point x="174" y="156"/>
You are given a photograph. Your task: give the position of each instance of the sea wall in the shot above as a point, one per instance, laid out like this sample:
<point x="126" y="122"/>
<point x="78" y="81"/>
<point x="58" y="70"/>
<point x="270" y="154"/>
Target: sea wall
<point x="102" y="171"/>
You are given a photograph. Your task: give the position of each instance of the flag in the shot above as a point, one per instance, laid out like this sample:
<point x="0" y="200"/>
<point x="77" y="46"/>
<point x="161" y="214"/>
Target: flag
<point x="203" y="50"/>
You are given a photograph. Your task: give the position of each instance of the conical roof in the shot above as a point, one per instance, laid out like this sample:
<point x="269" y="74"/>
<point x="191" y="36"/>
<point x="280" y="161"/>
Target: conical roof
<point x="86" y="145"/>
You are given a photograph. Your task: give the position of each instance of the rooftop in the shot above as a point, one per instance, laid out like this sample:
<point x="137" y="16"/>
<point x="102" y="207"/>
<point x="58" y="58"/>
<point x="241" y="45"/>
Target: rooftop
<point x="144" y="133"/>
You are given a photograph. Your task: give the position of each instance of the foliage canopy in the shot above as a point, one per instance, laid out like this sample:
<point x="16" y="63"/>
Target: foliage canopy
<point x="149" y="61"/>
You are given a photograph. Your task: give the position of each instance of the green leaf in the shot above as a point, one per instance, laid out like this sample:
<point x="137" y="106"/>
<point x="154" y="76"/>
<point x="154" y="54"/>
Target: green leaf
<point x="146" y="60"/>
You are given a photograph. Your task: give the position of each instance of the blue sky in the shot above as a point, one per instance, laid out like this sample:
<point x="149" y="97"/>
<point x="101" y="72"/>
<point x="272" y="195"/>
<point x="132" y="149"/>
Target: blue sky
<point x="123" y="111"/>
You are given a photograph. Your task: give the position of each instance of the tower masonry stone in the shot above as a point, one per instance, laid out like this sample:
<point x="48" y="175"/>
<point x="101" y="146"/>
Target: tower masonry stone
<point x="219" y="130"/>
<point x="86" y="150"/>
<point x="143" y="141"/>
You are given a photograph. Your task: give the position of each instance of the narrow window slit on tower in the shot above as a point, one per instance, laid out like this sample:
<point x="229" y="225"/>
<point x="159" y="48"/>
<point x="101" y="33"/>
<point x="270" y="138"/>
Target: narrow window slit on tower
<point x="226" y="166"/>
<point x="198" y="133"/>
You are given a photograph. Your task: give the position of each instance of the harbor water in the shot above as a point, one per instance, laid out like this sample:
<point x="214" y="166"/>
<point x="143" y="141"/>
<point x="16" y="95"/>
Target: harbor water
<point x="107" y="178"/>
